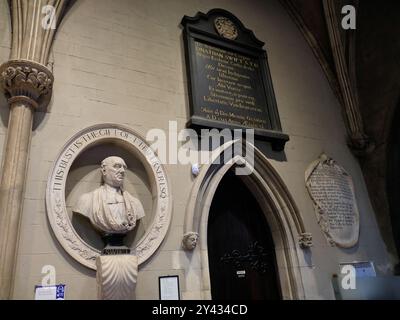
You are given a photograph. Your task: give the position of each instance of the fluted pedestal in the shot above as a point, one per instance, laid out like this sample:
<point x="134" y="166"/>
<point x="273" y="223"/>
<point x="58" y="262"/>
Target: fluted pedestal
<point x="116" y="276"/>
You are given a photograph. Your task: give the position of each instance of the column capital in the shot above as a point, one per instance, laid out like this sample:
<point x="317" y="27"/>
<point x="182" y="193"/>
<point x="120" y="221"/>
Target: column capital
<point x="27" y="81"/>
<point x="360" y="144"/>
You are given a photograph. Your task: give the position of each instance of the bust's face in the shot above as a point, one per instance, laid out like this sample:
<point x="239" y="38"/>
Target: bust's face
<point x="113" y="170"/>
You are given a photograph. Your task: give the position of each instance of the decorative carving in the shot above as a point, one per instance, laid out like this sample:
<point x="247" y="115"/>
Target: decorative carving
<point x="116" y="277"/>
<point x="189" y="241"/>
<point x="26" y="79"/>
<point x="255" y="257"/>
<point x="154" y="235"/>
<point x="305" y="240"/>
<point x="226" y="28"/>
<point x="68" y="234"/>
<point x="55" y="196"/>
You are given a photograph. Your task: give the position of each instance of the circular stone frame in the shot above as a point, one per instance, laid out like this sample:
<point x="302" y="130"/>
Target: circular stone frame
<point x="55" y="192"/>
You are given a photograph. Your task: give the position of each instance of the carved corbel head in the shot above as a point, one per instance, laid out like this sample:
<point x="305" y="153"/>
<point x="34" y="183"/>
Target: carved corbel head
<point x="190" y="239"/>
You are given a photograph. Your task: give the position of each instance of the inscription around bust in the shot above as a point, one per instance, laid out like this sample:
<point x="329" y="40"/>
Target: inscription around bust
<point x="55" y="194"/>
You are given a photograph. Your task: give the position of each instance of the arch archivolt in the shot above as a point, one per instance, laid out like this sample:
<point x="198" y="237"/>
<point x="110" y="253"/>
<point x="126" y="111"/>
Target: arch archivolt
<point x="278" y="206"/>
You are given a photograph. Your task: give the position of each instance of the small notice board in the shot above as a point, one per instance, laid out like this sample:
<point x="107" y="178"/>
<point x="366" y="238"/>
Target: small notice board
<point x="169" y="288"/>
<point x="56" y="292"/>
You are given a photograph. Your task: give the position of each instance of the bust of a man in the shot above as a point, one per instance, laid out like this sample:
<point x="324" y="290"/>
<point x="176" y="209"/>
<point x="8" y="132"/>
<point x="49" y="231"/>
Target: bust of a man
<point x="110" y="208"/>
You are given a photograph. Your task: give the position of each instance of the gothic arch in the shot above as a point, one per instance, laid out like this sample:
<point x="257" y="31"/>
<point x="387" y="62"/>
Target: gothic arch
<point x="280" y="210"/>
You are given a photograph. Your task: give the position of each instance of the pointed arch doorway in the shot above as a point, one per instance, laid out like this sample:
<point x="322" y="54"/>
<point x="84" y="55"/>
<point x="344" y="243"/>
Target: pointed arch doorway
<point x="241" y="250"/>
<point x="278" y="208"/>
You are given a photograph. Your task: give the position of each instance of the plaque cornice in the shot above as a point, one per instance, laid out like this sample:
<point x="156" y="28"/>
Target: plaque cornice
<point x="215" y="13"/>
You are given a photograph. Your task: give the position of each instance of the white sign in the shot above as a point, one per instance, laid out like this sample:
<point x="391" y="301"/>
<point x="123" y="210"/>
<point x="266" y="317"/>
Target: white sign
<point x="241" y="273"/>
<point x="50" y="292"/>
<point x="169" y="288"/>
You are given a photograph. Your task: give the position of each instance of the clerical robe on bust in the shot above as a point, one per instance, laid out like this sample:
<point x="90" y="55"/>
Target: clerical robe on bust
<point x="110" y="208"/>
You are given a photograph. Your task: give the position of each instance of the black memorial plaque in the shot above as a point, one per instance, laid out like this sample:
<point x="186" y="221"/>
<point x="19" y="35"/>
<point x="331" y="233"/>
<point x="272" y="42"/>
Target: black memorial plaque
<point x="229" y="80"/>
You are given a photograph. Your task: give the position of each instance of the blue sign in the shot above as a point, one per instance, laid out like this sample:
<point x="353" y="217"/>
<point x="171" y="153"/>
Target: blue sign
<point x="60" y="292"/>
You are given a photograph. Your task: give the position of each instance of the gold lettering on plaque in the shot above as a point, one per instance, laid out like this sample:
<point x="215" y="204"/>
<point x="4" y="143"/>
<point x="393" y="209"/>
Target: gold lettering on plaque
<point x="232" y="82"/>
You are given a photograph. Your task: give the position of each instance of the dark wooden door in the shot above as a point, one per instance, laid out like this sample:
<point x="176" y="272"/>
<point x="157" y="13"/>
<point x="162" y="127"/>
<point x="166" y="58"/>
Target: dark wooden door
<point x="240" y="248"/>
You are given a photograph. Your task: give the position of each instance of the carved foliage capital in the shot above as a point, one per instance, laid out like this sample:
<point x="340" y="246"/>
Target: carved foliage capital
<point x="305" y="240"/>
<point x="20" y="78"/>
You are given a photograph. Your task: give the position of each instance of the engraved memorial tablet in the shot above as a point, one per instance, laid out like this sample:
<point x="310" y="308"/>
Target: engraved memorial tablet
<point x="332" y="191"/>
<point x="229" y="79"/>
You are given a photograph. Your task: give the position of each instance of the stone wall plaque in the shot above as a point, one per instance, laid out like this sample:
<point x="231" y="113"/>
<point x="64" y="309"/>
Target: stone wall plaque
<point x="55" y="195"/>
<point x="229" y="79"/>
<point x="332" y="191"/>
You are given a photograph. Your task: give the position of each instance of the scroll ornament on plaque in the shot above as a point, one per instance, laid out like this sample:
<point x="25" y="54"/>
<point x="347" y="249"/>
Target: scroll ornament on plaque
<point x="332" y="192"/>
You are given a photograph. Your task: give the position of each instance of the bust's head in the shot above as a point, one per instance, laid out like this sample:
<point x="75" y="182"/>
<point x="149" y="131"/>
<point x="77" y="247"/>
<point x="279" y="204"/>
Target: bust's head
<point x="113" y="171"/>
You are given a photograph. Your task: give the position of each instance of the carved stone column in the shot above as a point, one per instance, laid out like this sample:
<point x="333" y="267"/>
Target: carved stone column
<point x="341" y="76"/>
<point x="27" y="83"/>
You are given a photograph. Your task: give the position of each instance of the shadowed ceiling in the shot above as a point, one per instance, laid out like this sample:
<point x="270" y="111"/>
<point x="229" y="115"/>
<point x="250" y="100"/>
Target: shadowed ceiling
<point x="377" y="66"/>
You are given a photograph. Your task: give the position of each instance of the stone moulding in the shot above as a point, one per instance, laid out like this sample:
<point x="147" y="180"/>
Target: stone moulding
<point x="279" y="207"/>
<point x="55" y="193"/>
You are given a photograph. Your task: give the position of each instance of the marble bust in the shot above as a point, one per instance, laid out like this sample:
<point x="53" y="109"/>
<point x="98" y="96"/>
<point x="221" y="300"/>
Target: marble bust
<point x="110" y="208"/>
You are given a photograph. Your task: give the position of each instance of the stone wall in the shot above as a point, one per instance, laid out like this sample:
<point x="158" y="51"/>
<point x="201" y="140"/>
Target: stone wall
<point x="5" y="49"/>
<point x="122" y="61"/>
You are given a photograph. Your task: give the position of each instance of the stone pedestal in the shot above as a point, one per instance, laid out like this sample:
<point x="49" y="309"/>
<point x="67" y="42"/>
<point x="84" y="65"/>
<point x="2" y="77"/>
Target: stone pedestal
<point x="116" y="276"/>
